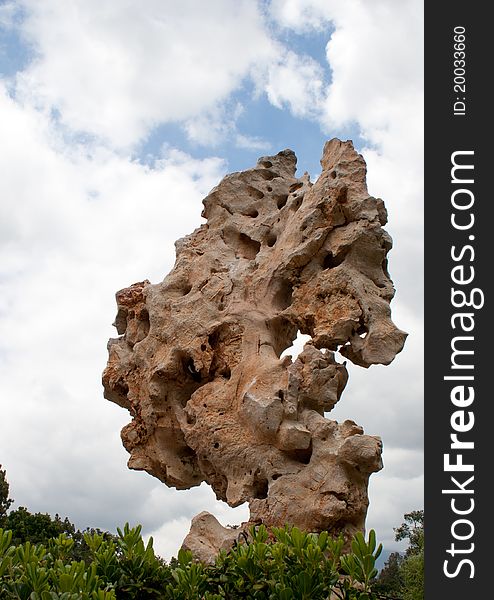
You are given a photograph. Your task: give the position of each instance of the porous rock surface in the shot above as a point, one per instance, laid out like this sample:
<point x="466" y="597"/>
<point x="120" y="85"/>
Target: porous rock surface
<point x="198" y="363"/>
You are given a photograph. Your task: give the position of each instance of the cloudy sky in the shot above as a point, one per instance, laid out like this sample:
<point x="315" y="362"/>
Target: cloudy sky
<point x="116" y="119"/>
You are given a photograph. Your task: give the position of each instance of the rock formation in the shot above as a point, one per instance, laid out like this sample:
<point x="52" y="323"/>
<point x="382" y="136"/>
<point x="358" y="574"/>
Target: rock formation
<point x="198" y="363"/>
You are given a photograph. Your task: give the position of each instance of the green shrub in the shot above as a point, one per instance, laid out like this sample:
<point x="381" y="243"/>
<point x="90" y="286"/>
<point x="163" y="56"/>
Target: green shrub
<point x="128" y="565"/>
<point x="35" y="572"/>
<point x="284" y="564"/>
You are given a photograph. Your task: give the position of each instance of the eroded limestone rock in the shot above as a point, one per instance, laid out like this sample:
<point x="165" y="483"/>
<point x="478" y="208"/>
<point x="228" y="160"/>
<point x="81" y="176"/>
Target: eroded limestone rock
<point x="208" y="536"/>
<point x="198" y="364"/>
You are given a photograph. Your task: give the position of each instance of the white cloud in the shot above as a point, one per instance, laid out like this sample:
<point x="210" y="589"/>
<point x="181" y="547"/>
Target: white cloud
<point x="376" y="78"/>
<point x="210" y="128"/>
<point x="372" y="68"/>
<point x="116" y="69"/>
<point x="252" y="142"/>
<point x="304" y="15"/>
<point x="165" y="537"/>
<point x="296" y="82"/>
<point x="390" y="498"/>
<point x="219" y="125"/>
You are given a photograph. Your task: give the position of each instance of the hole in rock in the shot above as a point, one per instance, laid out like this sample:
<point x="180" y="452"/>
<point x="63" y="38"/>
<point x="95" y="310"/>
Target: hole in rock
<point x="227" y="333"/>
<point x="276" y="476"/>
<point x="298" y="345"/>
<point x="203" y="347"/>
<point x="266" y="164"/>
<point x="295" y="186"/>
<point x="269" y="188"/>
<point x="281" y="201"/>
<point x="254" y="192"/>
<point x="226" y="342"/>
<point x="333" y="174"/>
<point x="283" y="296"/>
<point x="282" y="333"/>
<point x="302" y="456"/>
<point x="251" y="212"/>
<point x="330" y="261"/>
<point x="342" y="196"/>
<point x="271" y="240"/>
<point x="121" y="388"/>
<point x="215" y="337"/>
<point x="362" y="327"/>
<point x="260" y="487"/>
<point x="248" y="248"/>
<point x="190" y="370"/>
<point x="219" y="368"/>
<point x="242" y="244"/>
<point x="143" y="324"/>
<point x="178" y="289"/>
<point x="268" y="175"/>
<point x="216" y="445"/>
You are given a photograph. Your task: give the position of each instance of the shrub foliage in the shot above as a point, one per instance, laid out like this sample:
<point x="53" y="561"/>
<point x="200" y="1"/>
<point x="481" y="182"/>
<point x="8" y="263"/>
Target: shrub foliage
<point x="285" y="564"/>
<point x="45" y="558"/>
